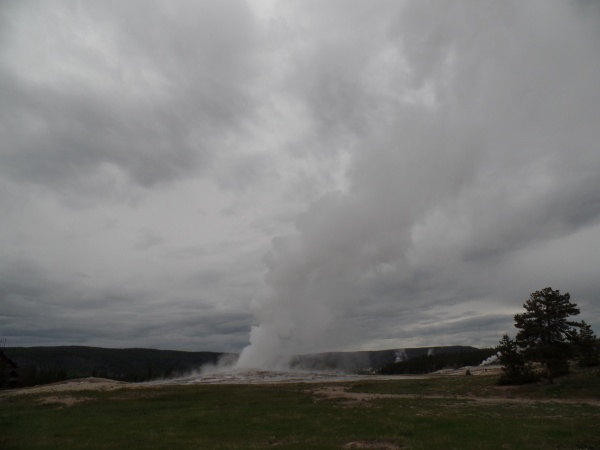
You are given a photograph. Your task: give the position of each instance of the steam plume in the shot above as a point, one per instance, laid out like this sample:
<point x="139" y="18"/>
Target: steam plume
<point x="484" y="144"/>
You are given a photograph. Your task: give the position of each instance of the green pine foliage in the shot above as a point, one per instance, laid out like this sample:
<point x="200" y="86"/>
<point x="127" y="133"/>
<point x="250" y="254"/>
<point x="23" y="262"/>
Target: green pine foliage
<point x="547" y="336"/>
<point x="588" y="346"/>
<point x="515" y="369"/>
<point x="545" y="331"/>
<point x="3" y="374"/>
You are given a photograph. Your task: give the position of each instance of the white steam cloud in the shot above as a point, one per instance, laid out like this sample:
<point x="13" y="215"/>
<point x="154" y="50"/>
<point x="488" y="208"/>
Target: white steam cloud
<point x="482" y="143"/>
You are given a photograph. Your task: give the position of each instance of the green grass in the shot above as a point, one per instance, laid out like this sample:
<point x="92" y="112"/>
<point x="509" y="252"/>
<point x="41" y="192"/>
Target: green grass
<point x="580" y="384"/>
<point x="294" y="417"/>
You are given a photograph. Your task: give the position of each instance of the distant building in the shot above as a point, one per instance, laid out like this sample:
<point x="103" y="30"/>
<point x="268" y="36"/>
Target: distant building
<point x="9" y="373"/>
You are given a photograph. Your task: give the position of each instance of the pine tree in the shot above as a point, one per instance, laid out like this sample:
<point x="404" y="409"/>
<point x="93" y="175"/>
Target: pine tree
<point x="3" y="374"/>
<point x="546" y="334"/>
<point x="516" y="369"/>
<point x="588" y="346"/>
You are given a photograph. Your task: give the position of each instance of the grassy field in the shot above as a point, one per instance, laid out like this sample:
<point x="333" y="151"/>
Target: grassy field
<point x="437" y="413"/>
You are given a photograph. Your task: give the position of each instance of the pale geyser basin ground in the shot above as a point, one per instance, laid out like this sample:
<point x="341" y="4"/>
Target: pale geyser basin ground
<point x="240" y="376"/>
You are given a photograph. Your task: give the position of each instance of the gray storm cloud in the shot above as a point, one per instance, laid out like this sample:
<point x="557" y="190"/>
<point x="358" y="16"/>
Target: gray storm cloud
<point x="132" y="89"/>
<point x="488" y="149"/>
<point x="412" y="170"/>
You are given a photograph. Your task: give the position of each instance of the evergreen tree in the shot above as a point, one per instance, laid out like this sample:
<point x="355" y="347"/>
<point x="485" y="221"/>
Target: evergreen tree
<point x="516" y="369"/>
<point x="3" y="374"/>
<point x="588" y="346"/>
<point x="546" y="333"/>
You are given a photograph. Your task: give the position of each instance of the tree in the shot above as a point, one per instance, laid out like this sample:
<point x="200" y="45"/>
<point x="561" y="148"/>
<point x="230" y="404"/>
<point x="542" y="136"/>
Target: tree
<point x="546" y="334"/>
<point x="588" y="346"/>
<point x="3" y="374"/>
<point x="516" y="369"/>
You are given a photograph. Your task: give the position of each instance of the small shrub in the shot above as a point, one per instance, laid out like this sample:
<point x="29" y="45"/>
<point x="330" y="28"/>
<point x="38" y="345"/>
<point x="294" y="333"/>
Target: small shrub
<point x="524" y="377"/>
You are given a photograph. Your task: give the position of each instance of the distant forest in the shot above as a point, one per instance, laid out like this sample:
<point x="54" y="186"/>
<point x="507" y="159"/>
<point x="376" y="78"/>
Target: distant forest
<point x="42" y="365"/>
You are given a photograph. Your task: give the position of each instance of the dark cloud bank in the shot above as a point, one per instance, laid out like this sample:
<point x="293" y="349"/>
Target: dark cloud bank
<point x="412" y="171"/>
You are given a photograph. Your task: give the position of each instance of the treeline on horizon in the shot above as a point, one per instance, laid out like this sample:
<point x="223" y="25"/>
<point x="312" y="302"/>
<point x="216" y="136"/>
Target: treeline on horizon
<point x="43" y="365"/>
<point x="432" y="363"/>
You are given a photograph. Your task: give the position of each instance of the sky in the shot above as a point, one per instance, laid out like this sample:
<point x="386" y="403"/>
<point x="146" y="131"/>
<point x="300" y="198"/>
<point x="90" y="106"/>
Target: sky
<point x="285" y="177"/>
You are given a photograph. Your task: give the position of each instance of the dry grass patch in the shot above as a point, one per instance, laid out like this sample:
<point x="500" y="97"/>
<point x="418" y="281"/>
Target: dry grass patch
<point x="65" y="400"/>
<point x="373" y="445"/>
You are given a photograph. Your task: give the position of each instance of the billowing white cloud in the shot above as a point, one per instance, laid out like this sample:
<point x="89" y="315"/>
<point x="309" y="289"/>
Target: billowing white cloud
<point x="492" y="158"/>
<point x="411" y="170"/>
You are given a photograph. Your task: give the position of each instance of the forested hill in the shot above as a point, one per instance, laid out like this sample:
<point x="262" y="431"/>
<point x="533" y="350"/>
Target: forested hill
<point x="370" y="360"/>
<point x="129" y="364"/>
<point x="40" y="365"/>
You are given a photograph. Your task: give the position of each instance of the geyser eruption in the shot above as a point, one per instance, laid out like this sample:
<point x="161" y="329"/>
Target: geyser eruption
<point x="303" y="299"/>
<point x="473" y="134"/>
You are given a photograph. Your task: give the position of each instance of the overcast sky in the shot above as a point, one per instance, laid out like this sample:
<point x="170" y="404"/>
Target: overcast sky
<point x="302" y="175"/>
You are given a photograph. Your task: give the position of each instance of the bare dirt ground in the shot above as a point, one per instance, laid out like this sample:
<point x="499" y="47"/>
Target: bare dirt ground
<point x="80" y="384"/>
<point x="246" y="376"/>
<point x="377" y="445"/>
<point x="342" y="393"/>
<point x="69" y="387"/>
<point x="55" y="391"/>
<point x="255" y="376"/>
<point x="475" y="370"/>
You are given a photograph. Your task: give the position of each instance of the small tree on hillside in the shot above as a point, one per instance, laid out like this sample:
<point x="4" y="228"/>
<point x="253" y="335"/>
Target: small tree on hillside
<point x="3" y="374"/>
<point x="514" y="367"/>
<point x="588" y="346"/>
<point x="546" y="333"/>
